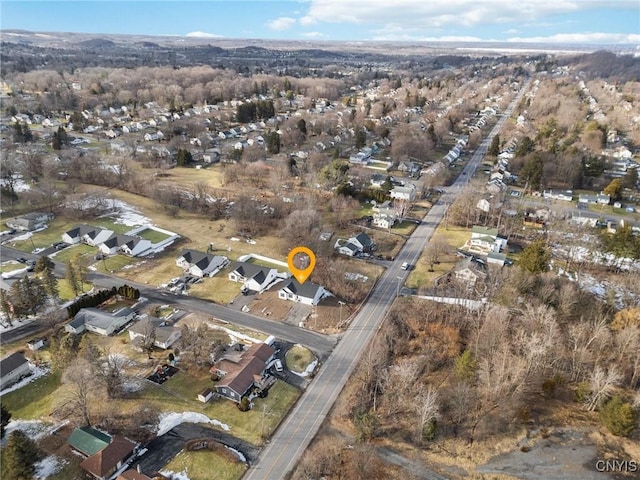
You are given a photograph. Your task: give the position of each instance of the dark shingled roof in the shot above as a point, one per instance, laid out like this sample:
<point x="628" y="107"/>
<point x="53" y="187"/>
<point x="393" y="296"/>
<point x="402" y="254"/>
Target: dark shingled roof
<point x="13" y="361"/>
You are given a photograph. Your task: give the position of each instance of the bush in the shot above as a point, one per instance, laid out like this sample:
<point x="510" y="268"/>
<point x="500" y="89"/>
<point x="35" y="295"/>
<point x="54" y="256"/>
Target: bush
<point x="618" y="416"/>
<point x="583" y="391"/>
<point x="550" y="386"/>
<point x="244" y="404"/>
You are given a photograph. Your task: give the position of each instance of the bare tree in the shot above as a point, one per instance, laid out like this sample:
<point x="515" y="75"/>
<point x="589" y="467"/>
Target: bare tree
<point x="427" y="409"/>
<point x="602" y="384"/>
<point x="81" y="383"/>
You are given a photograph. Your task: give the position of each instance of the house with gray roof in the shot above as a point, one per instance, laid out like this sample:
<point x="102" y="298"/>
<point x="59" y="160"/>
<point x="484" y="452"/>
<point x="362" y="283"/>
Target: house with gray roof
<point x="163" y="335"/>
<point x="88" y="234"/>
<point x="12" y="369"/>
<point x="30" y="221"/>
<point x="200" y="263"/>
<point x="308" y="293"/>
<point x="127" y="244"/>
<point x="98" y="321"/>
<point x="254" y="277"/>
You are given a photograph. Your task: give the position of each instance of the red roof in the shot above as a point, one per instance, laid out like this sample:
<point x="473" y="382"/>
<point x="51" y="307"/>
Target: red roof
<point x="106" y="460"/>
<point x="250" y="367"/>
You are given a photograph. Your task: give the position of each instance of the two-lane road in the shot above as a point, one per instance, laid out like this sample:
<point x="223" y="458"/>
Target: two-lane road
<point x="293" y="436"/>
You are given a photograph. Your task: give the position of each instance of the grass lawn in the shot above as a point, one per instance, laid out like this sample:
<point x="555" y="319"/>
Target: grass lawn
<point x="57" y="227"/>
<point x="115" y="263"/>
<point x="298" y="358"/>
<point x="34" y="400"/>
<point x="153" y="236"/>
<point x="66" y="293"/>
<point x="454" y="237"/>
<point x="179" y="394"/>
<point x="85" y="252"/>
<point x="212" y="176"/>
<point x="199" y="465"/>
<point x="218" y="289"/>
<point x="404" y="228"/>
<point x="11" y="267"/>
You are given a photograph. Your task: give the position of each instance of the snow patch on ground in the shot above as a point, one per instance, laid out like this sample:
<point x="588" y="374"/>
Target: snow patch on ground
<point x="132" y="385"/>
<point x="238" y="453"/>
<point x="170" y="420"/>
<point x="175" y="475"/>
<point x="235" y="336"/>
<point x="128" y="215"/>
<point x="34" y="429"/>
<point x="310" y="368"/>
<point x="36" y="372"/>
<point x="49" y="466"/>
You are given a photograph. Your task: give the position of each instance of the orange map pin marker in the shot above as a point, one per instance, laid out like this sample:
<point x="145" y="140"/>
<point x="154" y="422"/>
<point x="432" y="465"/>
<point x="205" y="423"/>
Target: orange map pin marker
<point x="301" y="274"/>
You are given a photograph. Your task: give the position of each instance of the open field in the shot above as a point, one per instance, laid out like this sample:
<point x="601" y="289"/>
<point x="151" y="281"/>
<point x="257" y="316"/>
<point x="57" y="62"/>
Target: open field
<point x="35" y="400"/>
<point x="454" y="237"/>
<point x="199" y="465"/>
<point x="84" y="252"/>
<point x="218" y="289"/>
<point x="11" y="266"/>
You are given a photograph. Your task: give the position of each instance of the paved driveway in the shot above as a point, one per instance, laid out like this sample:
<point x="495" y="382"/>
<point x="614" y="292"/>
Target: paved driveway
<point x="162" y="449"/>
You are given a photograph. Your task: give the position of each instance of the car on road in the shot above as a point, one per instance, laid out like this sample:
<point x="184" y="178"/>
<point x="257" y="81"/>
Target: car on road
<point x="21" y="260"/>
<point x="405" y="266"/>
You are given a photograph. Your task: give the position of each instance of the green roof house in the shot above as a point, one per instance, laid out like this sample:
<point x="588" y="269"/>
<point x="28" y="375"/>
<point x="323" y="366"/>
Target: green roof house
<point x="88" y="440"/>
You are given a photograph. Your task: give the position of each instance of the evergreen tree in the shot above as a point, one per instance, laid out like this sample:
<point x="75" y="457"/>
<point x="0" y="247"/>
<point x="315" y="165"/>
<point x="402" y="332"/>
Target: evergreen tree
<point x="184" y="157"/>
<point x="302" y="126"/>
<point x="535" y="257"/>
<point x="43" y="263"/>
<point x="60" y="139"/>
<point x="532" y="171"/>
<point x="361" y="138"/>
<point x="20" y="457"/>
<point x="27" y="296"/>
<point x="5" y="417"/>
<point x="63" y="350"/>
<point x="526" y="146"/>
<point x="494" y="148"/>
<point x="273" y="142"/>
<point x="50" y="283"/>
<point x="72" y="278"/>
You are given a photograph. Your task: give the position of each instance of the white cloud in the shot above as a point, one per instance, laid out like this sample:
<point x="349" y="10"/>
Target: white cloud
<point x="307" y="20"/>
<point x="440" y="13"/>
<point x="203" y="35"/>
<point x="592" y="37"/>
<point x="416" y="38"/>
<point x="512" y="31"/>
<point x="314" y="34"/>
<point x="282" y="23"/>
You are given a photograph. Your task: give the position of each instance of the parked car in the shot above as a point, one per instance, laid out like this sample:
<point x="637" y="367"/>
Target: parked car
<point x="278" y="366"/>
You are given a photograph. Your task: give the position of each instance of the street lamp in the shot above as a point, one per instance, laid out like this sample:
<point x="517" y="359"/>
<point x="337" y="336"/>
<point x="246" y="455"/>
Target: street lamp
<point x="341" y="303"/>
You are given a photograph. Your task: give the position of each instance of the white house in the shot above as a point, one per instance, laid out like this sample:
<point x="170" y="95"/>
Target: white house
<point x="566" y="195"/>
<point x="344" y="247"/>
<point x="86" y="234"/>
<point x="254" y="277"/>
<point x="485" y="240"/>
<point x="384" y="217"/>
<point x="163" y="336"/>
<point x="408" y="192"/>
<point x="600" y="198"/>
<point x="201" y="264"/>
<point x="98" y="321"/>
<point x="30" y="221"/>
<point x="363" y="241"/>
<point x="12" y="369"/>
<point x="131" y="246"/>
<point x="307" y="292"/>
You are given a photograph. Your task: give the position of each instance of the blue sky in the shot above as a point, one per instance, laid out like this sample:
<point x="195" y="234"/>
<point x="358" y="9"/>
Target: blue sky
<point x="566" y="21"/>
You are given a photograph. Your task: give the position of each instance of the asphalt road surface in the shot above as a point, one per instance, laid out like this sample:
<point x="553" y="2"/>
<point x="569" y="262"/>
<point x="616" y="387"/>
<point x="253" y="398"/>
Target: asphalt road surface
<point x="293" y="436"/>
<point x="320" y="344"/>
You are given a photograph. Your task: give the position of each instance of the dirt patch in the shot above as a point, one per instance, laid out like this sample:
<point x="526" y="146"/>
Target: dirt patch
<point x="267" y="304"/>
<point x="563" y="453"/>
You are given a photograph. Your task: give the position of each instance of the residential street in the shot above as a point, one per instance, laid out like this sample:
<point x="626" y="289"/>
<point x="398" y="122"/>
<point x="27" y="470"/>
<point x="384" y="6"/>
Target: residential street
<point x="293" y="436"/>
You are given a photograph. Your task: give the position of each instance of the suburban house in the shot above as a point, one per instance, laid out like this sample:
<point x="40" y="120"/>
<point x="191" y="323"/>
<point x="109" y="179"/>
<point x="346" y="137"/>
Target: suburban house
<point x="307" y="292"/>
<point x="131" y="246"/>
<point x="254" y="277"/>
<point x="355" y="245"/>
<point x="201" y="264"/>
<point x="496" y="259"/>
<point x="105" y="454"/>
<point x="99" y="321"/>
<point x="384" y="217"/>
<point x="363" y="241"/>
<point x="360" y="158"/>
<point x="470" y="272"/>
<point x="240" y="371"/>
<point x="345" y="247"/>
<point x="409" y="167"/>
<point x="12" y="369"/>
<point x="30" y="221"/>
<point x="408" y="192"/>
<point x="566" y="195"/>
<point x="485" y="240"/>
<point x="93" y="236"/>
<point x="154" y="328"/>
<point x="585" y="217"/>
<point x="600" y="198"/>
